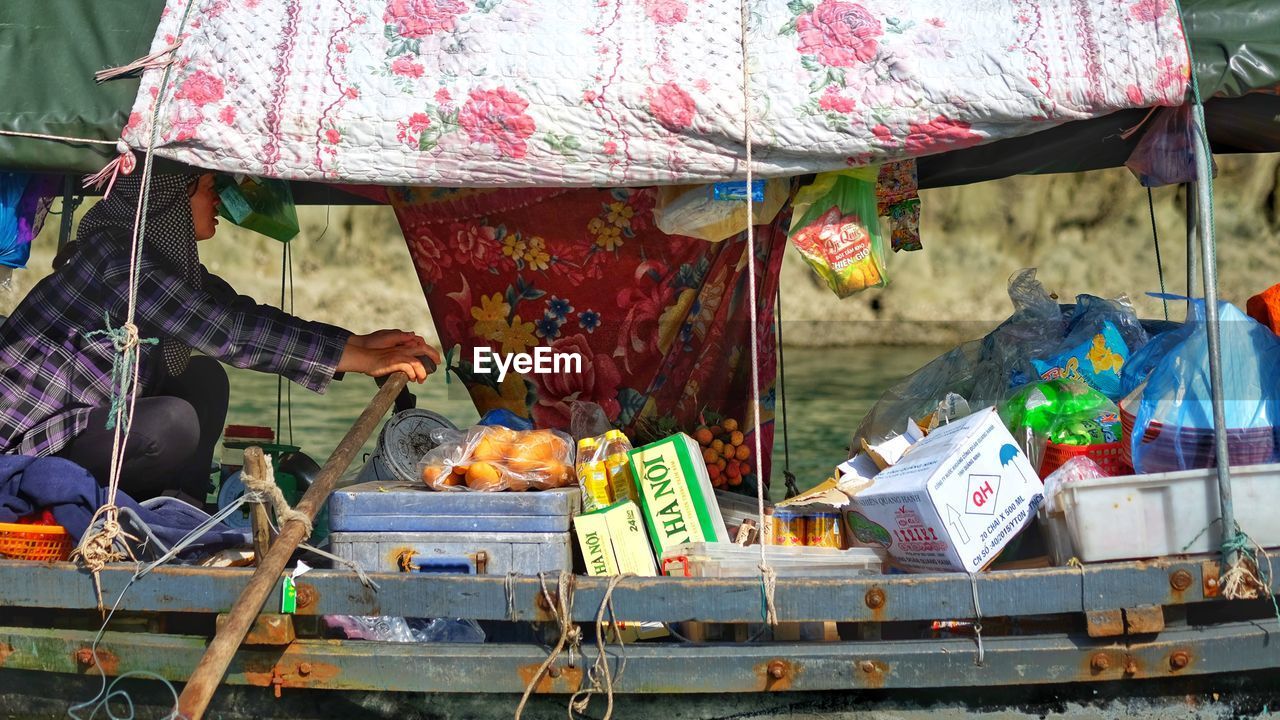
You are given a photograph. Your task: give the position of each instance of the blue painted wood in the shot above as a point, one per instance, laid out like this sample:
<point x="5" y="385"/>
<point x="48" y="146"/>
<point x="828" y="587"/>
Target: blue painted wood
<point x="666" y="599"/>
<point x="411" y="507"/>
<point x="664" y="668"/>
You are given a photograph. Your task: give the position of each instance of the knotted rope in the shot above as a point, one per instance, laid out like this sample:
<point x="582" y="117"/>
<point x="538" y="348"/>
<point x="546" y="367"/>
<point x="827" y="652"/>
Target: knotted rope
<point x="600" y="669"/>
<point x="98" y="548"/>
<point x="570" y="634"/>
<point x="265" y="487"/>
<point x="768" y="578"/>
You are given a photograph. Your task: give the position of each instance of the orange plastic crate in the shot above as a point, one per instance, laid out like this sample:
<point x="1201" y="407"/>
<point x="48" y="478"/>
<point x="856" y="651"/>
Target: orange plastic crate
<point x="46" y="543"/>
<point x="1110" y="457"/>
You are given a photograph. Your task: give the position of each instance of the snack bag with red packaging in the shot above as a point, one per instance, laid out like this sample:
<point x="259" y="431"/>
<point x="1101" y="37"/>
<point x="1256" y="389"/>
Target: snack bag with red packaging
<point x="836" y="228"/>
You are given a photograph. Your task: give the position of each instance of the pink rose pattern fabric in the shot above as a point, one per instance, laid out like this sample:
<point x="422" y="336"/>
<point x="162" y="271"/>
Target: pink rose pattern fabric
<point x="658" y="320"/>
<point x="615" y="93"/>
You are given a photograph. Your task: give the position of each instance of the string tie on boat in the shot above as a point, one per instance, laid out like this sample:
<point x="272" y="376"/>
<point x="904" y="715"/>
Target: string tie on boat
<point x="265" y="488"/>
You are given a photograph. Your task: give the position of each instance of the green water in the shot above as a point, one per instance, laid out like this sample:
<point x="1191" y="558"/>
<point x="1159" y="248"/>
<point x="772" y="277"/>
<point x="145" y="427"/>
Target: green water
<point x="827" y="392"/>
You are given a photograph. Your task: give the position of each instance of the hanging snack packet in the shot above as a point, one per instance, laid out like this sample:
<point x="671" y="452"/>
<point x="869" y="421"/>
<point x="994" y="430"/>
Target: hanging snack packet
<point x="717" y="212"/>
<point x="836" y="228"/>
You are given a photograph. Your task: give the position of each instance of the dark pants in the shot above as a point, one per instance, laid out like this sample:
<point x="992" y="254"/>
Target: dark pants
<point x="172" y="438"/>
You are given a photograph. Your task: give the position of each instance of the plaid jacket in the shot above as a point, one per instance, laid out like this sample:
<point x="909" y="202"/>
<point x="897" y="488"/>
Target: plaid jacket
<point x="52" y="373"/>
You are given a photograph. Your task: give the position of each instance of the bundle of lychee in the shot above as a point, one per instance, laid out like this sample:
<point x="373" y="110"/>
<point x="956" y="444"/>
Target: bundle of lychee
<point x="492" y="458"/>
<point x="725" y="451"/>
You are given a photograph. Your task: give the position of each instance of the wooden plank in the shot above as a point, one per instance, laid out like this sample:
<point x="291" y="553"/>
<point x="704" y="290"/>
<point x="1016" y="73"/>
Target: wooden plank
<point x="661" y="668"/>
<point x="885" y="598"/>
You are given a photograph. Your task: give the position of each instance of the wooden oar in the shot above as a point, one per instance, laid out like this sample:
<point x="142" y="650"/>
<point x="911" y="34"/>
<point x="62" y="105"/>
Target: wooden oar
<point x="208" y="674"/>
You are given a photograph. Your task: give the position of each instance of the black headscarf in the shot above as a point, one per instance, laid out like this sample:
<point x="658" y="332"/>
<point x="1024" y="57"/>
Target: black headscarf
<point x="169" y="235"/>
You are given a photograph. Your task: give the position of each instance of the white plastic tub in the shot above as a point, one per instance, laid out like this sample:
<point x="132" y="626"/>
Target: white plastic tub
<point x="1175" y="513"/>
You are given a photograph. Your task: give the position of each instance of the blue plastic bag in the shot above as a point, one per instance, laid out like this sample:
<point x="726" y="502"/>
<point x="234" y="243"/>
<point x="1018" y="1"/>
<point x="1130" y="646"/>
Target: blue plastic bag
<point x="1096" y="359"/>
<point x="1173" y="429"/>
<point x="14" y="250"/>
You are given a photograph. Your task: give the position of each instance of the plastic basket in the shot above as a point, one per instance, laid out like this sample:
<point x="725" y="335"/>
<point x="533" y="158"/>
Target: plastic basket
<point x="1109" y="456"/>
<point x="46" y="543"/>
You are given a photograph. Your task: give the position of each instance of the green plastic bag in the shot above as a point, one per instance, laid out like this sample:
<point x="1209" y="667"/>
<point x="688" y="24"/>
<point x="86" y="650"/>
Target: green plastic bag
<point x="836" y="227"/>
<point x="262" y="205"/>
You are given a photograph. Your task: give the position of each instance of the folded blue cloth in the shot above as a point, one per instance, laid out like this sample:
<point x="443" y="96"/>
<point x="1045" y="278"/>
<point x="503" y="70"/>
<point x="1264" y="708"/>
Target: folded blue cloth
<point x="28" y="484"/>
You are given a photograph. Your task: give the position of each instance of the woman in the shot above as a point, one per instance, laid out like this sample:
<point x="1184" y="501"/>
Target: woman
<point x="56" y="361"/>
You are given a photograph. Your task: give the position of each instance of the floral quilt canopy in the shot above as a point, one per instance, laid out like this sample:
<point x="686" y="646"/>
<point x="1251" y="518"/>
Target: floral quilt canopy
<point x="632" y="92"/>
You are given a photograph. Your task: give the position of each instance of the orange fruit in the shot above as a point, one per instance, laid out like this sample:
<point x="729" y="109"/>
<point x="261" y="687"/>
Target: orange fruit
<point x="709" y="456"/>
<point x="715" y="429"/>
<point x="713" y="472"/>
<point x="527" y="465"/>
<point x="717" y="445"/>
<point x="484" y="476"/>
<point x="490" y="449"/>
<point x="729" y="424"/>
<point x="702" y="435"/>
<point x="501" y="434"/>
<point x="735" y="438"/>
<point x="431" y="474"/>
<point x="732" y="471"/>
<point x="742" y="453"/>
<point x="518" y="483"/>
<point x="735" y="481"/>
<point x="722" y="463"/>
<point x="559" y="475"/>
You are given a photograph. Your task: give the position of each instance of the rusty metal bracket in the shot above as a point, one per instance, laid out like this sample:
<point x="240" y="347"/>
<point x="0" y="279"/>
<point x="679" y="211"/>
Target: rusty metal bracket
<point x="482" y="562"/>
<point x="1209" y="572"/>
<point x="268" y="629"/>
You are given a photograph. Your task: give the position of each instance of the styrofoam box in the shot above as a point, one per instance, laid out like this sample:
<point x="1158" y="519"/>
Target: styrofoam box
<point x="702" y="559"/>
<point x="1175" y="513"/>
<point x="456" y="553"/>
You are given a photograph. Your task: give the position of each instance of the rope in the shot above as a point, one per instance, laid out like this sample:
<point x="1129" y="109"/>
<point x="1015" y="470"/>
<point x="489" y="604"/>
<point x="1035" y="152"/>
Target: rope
<point x="59" y="138"/>
<point x="509" y="586"/>
<point x="1155" y="238"/>
<point x="580" y="700"/>
<point x="151" y="61"/>
<point x="981" y="659"/>
<point x="125" y="340"/>
<point x="789" y="477"/>
<point x="570" y="634"/>
<point x="266" y="487"/>
<point x="98" y="548"/>
<point x="768" y="578"/>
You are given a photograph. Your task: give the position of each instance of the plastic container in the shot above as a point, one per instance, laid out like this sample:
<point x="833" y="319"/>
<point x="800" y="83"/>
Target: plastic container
<point x="1057" y="535"/>
<point x="1174" y="513"/>
<point x="1109" y="456"/>
<point x="45" y="543"/>
<point x="728" y="560"/>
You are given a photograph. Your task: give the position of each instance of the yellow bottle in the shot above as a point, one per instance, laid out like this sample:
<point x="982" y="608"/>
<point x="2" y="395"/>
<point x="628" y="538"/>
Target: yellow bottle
<point x="621" y="484"/>
<point x="593" y="477"/>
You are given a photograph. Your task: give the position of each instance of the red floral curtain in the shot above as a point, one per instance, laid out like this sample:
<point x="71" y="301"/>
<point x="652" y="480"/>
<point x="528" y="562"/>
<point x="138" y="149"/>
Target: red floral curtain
<point x="661" y="321"/>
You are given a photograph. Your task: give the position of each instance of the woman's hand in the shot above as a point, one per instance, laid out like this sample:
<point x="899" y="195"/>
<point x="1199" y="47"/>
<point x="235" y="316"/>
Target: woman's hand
<point x="388" y="351"/>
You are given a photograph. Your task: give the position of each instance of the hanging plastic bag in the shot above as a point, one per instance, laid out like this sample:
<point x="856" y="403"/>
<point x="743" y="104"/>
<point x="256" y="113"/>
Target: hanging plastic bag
<point x="836" y="228"/>
<point x="899" y="201"/>
<point x="1033" y="330"/>
<point x="1166" y="153"/>
<point x="494" y="458"/>
<point x="262" y="205"/>
<point x="1173" y="427"/>
<point x="708" y="213"/>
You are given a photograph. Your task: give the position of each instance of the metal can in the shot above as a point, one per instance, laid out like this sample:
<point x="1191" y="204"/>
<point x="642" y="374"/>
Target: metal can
<point x="788" y="528"/>
<point x="823" y="530"/>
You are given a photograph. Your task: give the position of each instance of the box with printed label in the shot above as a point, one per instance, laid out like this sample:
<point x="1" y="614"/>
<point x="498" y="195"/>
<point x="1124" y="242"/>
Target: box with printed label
<point x="675" y="493"/>
<point x="613" y="542"/>
<point x="953" y="501"/>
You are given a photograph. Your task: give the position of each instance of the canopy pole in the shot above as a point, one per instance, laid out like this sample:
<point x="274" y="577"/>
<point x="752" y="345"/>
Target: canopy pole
<point x="213" y="665"/>
<point x="1193" y="262"/>
<point x="1204" y="229"/>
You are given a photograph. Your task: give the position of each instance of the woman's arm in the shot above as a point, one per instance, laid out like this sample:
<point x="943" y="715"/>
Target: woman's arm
<point x="241" y="332"/>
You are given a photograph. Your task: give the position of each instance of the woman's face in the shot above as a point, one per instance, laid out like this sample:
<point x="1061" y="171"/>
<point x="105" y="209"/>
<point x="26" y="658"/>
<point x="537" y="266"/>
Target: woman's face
<point x="204" y="207"/>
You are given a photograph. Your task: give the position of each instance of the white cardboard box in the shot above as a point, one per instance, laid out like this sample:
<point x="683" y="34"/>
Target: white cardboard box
<point x="953" y="501"/>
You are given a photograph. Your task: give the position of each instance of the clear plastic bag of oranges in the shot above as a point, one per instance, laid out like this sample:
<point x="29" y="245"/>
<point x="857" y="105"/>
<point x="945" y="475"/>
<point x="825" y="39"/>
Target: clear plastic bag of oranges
<point x="492" y="459"/>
